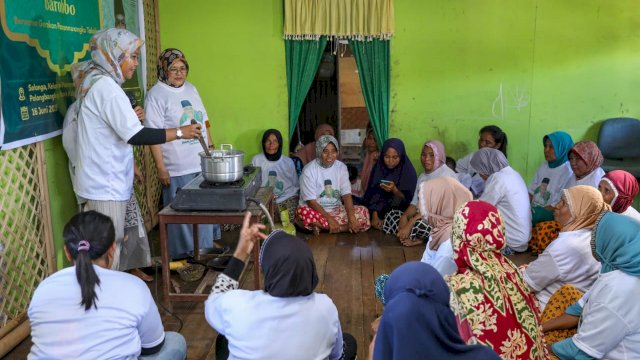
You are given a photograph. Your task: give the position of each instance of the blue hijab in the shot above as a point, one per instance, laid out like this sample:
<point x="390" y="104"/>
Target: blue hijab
<point x="417" y="322"/>
<point x="615" y="242"/>
<point x="562" y="143"/>
<point x="404" y="176"/>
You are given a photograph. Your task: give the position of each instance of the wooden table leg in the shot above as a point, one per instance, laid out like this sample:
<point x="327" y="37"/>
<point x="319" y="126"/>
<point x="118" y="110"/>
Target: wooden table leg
<point x="164" y="255"/>
<point x="196" y="242"/>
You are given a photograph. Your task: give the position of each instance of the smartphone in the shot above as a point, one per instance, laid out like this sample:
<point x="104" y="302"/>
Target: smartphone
<point x="386" y="182"/>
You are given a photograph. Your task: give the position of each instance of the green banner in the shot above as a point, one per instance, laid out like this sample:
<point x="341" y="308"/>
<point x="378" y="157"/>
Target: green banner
<point x="40" y="41"/>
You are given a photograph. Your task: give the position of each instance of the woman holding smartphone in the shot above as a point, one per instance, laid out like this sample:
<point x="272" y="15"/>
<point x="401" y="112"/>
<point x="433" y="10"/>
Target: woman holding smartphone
<point x="392" y="182"/>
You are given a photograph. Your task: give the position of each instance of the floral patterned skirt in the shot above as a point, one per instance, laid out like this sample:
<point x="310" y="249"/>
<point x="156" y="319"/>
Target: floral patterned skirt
<point x="310" y="218"/>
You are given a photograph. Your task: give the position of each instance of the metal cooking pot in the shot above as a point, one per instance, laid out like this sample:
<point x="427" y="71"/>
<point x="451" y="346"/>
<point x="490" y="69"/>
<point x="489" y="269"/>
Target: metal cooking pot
<point x="224" y="165"/>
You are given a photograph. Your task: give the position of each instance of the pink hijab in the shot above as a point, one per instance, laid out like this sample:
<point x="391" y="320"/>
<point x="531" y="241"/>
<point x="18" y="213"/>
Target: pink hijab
<point x="308" y="152"/>
<point x="625" y="188"/>
<point x="438" y="152"/>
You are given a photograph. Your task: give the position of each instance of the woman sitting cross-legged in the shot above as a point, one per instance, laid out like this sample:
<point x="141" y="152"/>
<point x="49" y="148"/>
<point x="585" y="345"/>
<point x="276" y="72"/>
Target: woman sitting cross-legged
<point x="80" y="312"/>
<point x="286" y="320"/>
<point x="608" y="315"/>
<point x="325" y="193"/>
<point x="568" y="260"/>
<point x="409" y="226"/>
<point x="439" y="198"/>
<point x="618" y="189"/>
<point x="505" y="189"/>
<point x="491" y="300"/>
<point x="585" y="159"/>
<point x="392" y="182"/>
<point x="417" y="322"/>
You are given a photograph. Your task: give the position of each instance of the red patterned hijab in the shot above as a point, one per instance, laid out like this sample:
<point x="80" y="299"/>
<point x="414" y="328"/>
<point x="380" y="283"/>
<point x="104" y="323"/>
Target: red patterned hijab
<point x="625" y="188"/>
<point x="490" y="296"/>
<point x="589" y="152"/>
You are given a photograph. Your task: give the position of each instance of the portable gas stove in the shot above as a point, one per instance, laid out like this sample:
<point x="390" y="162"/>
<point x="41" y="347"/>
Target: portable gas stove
<point x="203" y="195"/>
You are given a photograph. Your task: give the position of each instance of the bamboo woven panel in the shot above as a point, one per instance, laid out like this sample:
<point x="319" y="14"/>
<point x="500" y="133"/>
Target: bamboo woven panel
<point x="25" y="254"/>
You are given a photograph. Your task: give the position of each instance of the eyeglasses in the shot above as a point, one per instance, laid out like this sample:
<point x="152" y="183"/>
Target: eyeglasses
<point x="175" y="71"/>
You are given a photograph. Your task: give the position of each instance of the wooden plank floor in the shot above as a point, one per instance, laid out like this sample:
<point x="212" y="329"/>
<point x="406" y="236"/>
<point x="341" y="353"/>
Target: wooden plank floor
<point x="347" y="265"/>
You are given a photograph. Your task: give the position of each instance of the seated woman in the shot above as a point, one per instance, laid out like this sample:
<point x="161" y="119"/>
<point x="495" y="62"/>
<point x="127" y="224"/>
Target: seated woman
<point x="568" y="260"/>
<point x="551" y="177"/>
<point x="80" y="312"/>
<point x="487" y="285"/>
<point x="308" y="152"/>
<point x="408" y="226"/>
<point x="325" y="193"/>
<point x="286" y="320"/>
<point x="278" y="172"/>
<point x="439" y="199"/>
<point x="585" y="159"/>
<point x="491" y="136"/>
<point x="506" y="190"/>
<point x="392" y="182"/>
<point x="417" y="322"/>
<point x="618" y="189"/>
<point x="609" y="325"/>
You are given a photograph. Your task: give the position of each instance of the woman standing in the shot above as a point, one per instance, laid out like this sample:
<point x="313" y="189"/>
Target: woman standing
<point x="325" y="193"/>
<point x="618" y="188"/>
<point x="506" y="190"/>
<point x="278" y="172"/>
<point x="107" y="129"/>
<point x="489" y="286"/>
<point x="392" y="182"/>
<point x="80" y="312"/>
<point x="175" y="102"/>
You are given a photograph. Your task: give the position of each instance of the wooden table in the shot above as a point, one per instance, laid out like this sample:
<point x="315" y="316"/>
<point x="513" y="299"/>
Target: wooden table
<point x="170" y="216"/>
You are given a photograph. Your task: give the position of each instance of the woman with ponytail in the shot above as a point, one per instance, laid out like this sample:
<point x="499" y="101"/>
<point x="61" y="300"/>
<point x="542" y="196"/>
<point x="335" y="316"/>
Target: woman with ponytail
<point x="80" y="311"/>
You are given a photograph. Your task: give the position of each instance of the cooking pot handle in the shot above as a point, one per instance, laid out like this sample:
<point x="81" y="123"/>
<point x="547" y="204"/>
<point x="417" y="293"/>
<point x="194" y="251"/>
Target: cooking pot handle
<point x="217" y="155"/>
<point x="230" y="147"/>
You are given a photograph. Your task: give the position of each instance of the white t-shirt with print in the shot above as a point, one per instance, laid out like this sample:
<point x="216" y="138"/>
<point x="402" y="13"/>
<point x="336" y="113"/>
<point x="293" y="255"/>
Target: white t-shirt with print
<point x="443" y="170"/>
<point x="550" y="194"/>
<point x="567" y="260"/>
<point x="593" y="179"/>
<point x="104" y="168"/>
<point x="167" y="107"/>
<point x="507" y="191"/>
<point x="312" y="184"/>
<point x="281" y="175"/>
<point x="125" y="320"/>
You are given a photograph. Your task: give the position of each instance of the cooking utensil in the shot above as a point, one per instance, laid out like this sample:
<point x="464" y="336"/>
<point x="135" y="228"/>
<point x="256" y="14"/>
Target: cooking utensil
<point x="223" y="165"/>
<point x="201" y="138"/>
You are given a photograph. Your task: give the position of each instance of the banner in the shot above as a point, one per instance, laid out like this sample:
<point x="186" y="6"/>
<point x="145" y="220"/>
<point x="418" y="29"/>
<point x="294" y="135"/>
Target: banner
<point x="40" y="40"/>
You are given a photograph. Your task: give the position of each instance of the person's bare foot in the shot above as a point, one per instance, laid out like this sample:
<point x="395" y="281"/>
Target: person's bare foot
<point x="139" y="273"/>
<point x="410" y="242"/>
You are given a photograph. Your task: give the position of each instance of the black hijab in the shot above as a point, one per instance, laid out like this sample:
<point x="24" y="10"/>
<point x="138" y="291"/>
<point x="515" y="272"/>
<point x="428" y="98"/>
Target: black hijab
<point x="276" y="156"/>
<point x="288" y="266"/>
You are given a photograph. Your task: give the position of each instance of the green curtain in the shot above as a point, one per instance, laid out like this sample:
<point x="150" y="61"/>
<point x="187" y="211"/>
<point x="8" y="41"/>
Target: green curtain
<point x="303" y="58"/>
<point x="372" y="58"/>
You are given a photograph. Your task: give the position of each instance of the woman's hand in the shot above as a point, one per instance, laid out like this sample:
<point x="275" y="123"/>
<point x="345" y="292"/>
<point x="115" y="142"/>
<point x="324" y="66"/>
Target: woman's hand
<point x="354" y="227"/>
<point x="137" y="173"/>
<point x="163" y="177"/>
<point x="410" y="242"/>
<point x="389" y="187"/>
<point x="139" y="113"/>
<point x="334" y="227"/>
<point x="249" y="235"/>
<point x="376" y="223"/>
<point x="404" y="231"/>
<point x="193" y="131"/>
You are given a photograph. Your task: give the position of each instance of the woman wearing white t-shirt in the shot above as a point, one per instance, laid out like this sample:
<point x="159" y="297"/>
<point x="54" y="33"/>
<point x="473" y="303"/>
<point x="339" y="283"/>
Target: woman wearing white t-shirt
<point x="278" y="172"/>
<point x="174" y="102"/>
<point x="108" y="127"/>
<point x="585" y="159"/>
<point x="506" y="190"/>
<point x="490" y="136"/>
<point x="618" y="189"/>
<point x="80" y="312"/>
<point x="325" y="193"/>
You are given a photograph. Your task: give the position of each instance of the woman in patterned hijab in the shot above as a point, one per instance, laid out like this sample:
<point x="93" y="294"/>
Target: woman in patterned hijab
<point x="164" y="63"/>
<point x="492" y="302"/>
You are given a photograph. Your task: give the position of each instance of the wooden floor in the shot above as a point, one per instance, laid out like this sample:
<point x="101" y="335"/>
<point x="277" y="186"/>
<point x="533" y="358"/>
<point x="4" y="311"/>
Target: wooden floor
<point x="347" y="266"/>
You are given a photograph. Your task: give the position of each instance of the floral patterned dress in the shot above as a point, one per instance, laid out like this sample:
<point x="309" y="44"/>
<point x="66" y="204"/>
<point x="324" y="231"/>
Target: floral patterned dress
<point x="491" y="300"/>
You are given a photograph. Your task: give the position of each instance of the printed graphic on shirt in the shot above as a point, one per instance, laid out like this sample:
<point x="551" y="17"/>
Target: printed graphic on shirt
<point x="275" y="183"/>
<point x="541" y="195"/>
<point x="188" y="113"/>
<point x="329" y="197"/>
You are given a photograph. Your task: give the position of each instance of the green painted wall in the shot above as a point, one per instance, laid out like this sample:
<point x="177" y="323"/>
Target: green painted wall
<point x="236" y="60"/>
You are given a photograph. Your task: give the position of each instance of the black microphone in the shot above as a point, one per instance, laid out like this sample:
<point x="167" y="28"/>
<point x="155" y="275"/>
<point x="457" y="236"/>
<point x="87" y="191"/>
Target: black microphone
<point x="132" y="99"/>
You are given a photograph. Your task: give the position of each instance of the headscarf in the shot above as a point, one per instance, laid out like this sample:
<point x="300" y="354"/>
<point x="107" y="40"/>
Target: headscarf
<point x="165" y="60"/>
<point x="278" y="154"/>
<point x="438" y="200"/>
<point x="288" y="266"/>
<point x="586" y="204"/>
<point x="487" y="161"/>
<point x="487" y="286"/>
<point x="370" y="159"/>
<point x="562" y="143"/>
<point x="322" y="143"/>
<point x="403" y="175"/>
<point x="589" y="153"/>
<point x="417" y="322"/>
<point x="322" y="128"/>
<point x="625" y="188"/>
<point x="308" y="152"/>
<point x="440" y="158"/>
<point x="615" y="242"/>
<point x="110" y="48"/>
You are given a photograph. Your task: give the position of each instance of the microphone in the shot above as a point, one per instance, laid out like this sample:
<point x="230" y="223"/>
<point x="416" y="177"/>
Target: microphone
<point x="132" y="99"/>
